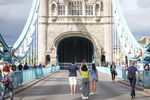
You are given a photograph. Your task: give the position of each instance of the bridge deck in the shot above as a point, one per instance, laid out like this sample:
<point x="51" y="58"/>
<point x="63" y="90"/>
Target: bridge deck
<point x="56" y="87"/>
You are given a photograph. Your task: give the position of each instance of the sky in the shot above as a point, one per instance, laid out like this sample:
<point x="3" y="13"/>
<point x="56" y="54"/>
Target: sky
<point x="14" y="13"/>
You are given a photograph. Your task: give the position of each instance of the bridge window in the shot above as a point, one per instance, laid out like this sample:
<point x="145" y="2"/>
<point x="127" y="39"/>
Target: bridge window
<point x="61" y="9"/>
<point x="89" y="10"/>
<point x="102" y="6"/>
<point x="47" y="59"/>
<point x="75" y="8"/>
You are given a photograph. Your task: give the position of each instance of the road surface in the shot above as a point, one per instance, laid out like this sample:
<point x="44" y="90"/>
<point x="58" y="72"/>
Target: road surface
<point x="56" y="87"/>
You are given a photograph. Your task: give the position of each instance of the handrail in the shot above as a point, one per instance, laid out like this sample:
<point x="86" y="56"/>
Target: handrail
<point x="21" y="77"/>
<point x="122" y="75"/>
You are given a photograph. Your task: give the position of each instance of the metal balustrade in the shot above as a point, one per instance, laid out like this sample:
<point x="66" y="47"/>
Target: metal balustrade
<point x="21" y="77"/>
<point x="145" y="75"/>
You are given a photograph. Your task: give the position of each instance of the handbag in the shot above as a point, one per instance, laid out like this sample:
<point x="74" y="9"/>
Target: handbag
<point x="116" y="73"/>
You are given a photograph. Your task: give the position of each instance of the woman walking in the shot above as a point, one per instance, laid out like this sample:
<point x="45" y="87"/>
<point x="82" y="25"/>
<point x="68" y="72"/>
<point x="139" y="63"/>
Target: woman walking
<point x="94" y="78"/>
<point x="6" y="81"/>
<point x="85" y="80"/>
<point x="113" y="70"/>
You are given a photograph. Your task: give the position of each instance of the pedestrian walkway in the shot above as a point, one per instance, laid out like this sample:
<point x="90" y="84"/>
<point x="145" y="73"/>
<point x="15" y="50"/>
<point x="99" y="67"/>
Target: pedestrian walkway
<point x="56" y="87"/>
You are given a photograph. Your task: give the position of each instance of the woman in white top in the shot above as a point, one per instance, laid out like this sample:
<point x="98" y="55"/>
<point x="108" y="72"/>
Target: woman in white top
<point x="6" y="81"/>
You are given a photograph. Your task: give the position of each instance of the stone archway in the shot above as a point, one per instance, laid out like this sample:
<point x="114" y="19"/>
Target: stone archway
<point x="96" y="45"/>
<point x="75" y="49"/>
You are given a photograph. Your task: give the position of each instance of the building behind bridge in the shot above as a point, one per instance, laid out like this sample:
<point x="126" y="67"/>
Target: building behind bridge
<point x="75" y="30"/>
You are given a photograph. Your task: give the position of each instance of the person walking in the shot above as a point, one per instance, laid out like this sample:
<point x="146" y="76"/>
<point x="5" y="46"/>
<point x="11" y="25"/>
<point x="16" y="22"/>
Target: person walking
<point x="146" y="67"/>
<point x="72" y="76"/>
<point x="13" y="67"/>
<point x="34" y="66"/>
<point x="20" y="67"/>
<point x="131" y="73"/>
<point x="26" y="67"/>
<point x="94" y="78"/>
<point x="113" y="70"/>
<point x="1" y="66"/>
<point x="6" y="83"/>
<point x="85" y="80"/>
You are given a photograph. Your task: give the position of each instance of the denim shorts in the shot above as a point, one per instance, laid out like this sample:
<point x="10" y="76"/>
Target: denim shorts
<point x="94" y="80"/>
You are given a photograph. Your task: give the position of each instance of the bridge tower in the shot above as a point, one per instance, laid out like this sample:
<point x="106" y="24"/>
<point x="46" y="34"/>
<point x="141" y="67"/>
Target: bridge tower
<point x="75" y="30"/>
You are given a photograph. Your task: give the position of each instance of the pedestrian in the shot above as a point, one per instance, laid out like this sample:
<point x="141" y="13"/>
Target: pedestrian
<point x="113" y="70"/>
<point x="40" y="66"/>
<point x="26" y="67"/>
<point x="20" y="67"/>
<point x="1" y="66"/>
<point x="85" y="80"/>
<point x="34" y="66"/>
<point x="131" y="73"/>
<point x="6" y="81"/>
<point x="94" y="78"/>
<point x="13" y="67"/>
<point x="72" y="76"/>
<point x="146" y="67"/>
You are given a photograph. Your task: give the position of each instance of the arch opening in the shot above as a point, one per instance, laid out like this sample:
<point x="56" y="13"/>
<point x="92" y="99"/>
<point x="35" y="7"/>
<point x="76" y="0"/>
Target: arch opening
<point x="75" y="49"/>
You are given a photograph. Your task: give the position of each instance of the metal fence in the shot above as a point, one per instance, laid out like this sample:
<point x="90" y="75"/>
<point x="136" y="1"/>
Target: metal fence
<point x="145" y="75"/>
<point x="24" y="76"/>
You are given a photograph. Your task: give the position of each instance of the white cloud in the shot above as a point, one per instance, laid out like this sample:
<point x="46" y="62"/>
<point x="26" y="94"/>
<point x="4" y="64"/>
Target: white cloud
<point x="14" y="11"/>
<point x="13" y="15"/>
<point x="137" y="16"/>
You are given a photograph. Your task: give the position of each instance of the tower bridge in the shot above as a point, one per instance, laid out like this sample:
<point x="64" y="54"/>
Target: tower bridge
<point x="87" y="23"/>
<point x="60" y="31"/>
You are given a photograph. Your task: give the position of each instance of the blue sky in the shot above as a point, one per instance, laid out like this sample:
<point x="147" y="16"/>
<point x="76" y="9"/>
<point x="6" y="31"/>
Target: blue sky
<point x="14" y="13"/>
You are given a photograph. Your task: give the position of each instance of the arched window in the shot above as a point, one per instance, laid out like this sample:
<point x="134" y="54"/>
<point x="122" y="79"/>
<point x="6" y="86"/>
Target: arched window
<point x="53" y="10"/>
<point x="97" y="10"/>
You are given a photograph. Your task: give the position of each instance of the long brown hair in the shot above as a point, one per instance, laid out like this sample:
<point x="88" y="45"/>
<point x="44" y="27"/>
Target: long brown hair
<point x="6" y="68"/>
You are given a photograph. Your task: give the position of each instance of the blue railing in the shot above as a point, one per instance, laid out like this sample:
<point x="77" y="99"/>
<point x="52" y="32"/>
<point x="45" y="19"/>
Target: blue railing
<point x="21" y="77"/>
<point x="145" y="75"/>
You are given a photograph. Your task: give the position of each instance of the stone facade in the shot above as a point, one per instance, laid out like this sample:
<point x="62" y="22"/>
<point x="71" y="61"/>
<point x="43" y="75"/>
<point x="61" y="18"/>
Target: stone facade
<point x="56" y="22"/>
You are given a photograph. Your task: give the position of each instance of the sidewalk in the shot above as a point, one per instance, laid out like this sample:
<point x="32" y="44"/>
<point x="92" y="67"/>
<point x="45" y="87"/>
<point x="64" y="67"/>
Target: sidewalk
<point x="146" y="90"/>
<point x="28" y="84"/>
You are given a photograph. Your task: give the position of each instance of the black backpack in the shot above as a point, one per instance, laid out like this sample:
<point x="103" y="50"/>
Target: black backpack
<point x="130" y="76"/>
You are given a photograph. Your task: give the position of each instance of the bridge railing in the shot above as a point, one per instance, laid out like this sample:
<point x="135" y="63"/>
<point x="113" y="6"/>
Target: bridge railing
<point x="145" y="75"/>
<point x="21" y="77"/>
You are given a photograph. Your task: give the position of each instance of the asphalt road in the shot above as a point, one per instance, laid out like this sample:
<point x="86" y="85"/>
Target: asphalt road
<point x="56" y="87"/>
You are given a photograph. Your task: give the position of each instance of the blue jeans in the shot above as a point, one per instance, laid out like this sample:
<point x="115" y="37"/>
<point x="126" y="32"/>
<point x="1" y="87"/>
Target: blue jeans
<point x="133" y="83"/>
<point x="9" y="87"/>
<point x="113" y="74"/>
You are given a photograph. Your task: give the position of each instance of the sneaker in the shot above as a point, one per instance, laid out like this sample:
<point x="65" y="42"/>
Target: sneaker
<point x="71" y="93"/>
<point x="91" y="93"/>
<point x="83" y="97"/>
<point x="87" y="97"/>
<point x="132" y="97"/>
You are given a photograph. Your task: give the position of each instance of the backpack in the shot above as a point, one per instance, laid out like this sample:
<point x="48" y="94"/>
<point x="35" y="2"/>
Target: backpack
<point x="6" y="80"/>
<point x="130" y="77"/>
